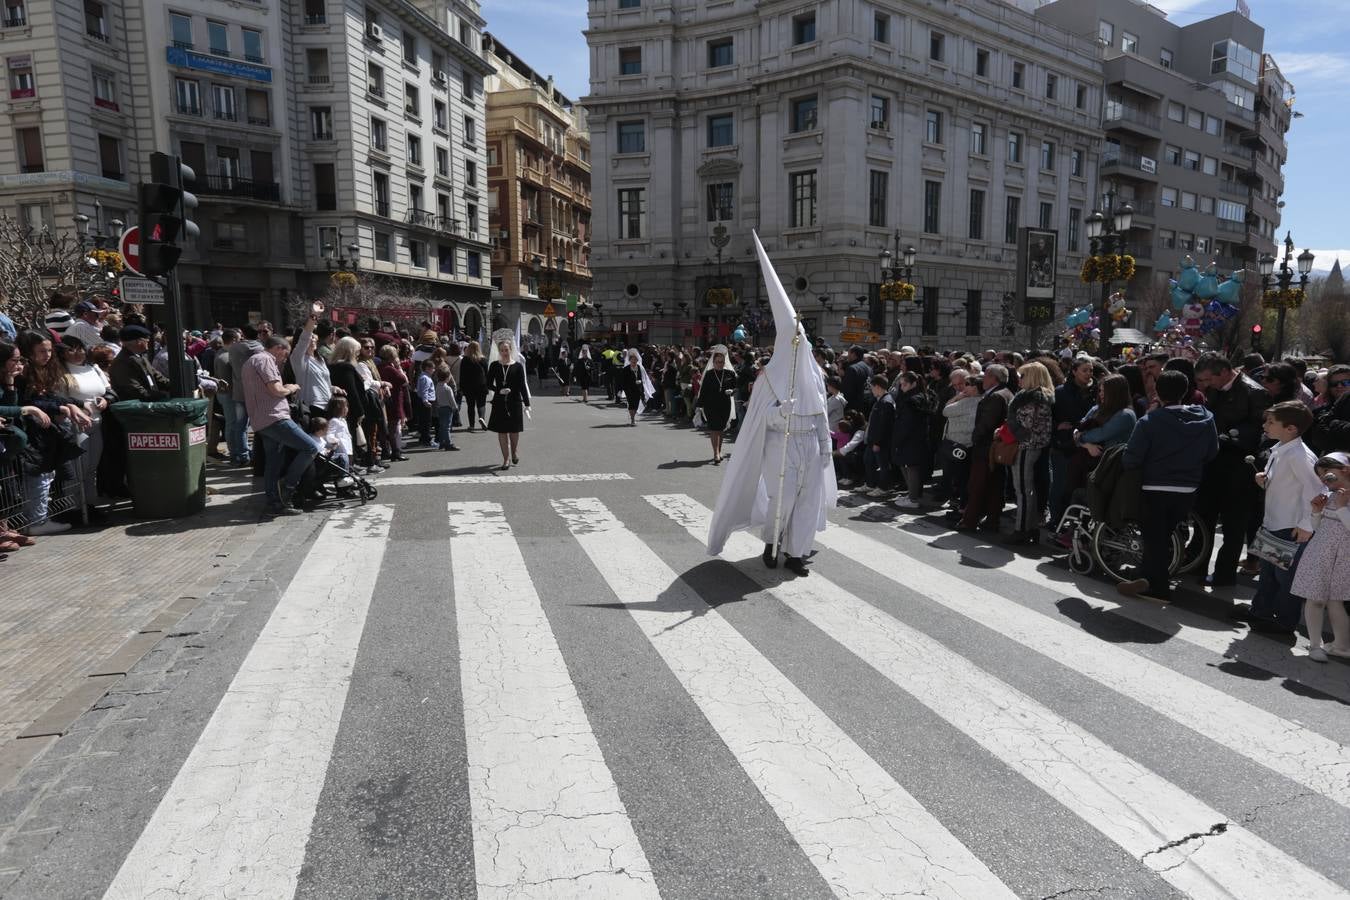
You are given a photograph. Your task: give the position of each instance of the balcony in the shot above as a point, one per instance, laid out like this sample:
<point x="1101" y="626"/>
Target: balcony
<point x="98" y="34"/>
<point x="421" y="218"/>
<point x="230" y="186"/>
<point x="260" y="121"/>
<point x="382" y="208"/>
<point x="22" y="93"/>
<point x="1118" y="114"/>
<point x="1241" y="113"/>
<point x="1227" y="226"/>
<point x="1130" y="160"/>
<point x="321" y="135"/>
<point x="319" y="80"/>
<point x="184" y="45"/>
<point x="320" y="19"/>
<point x="1242" y="153"/>
<point x="225" y="115"/>
<point x="188" y="109"/>
<point x="1233" y="189"/>
<point x="1145" y="208"/>
<point x="15" y="19"/>
<point x="1143" y="252"/>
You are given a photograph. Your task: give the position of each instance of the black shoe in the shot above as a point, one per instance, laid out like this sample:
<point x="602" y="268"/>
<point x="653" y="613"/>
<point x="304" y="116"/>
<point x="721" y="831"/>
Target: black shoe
<point x="1269" y="626"/>
<point x="1217" y="581"/>
<point x="1241" y="613"/>
<point x="796" y="565"/>
<point x="770" y="559"/>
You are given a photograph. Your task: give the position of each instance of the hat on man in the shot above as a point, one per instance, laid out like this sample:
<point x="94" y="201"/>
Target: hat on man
<point x="134" y="333"/>
<point x="57" y="320"/>
<point x="71" y="342"/>
<point x="86" y="306"/>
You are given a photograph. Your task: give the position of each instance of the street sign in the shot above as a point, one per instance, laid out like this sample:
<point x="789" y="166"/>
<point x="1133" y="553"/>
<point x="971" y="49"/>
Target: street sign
<point x="549" y="310"/>
<point x="141" y="290"/>
<point x="129" y="245"/>
<point x="853" y="323"/>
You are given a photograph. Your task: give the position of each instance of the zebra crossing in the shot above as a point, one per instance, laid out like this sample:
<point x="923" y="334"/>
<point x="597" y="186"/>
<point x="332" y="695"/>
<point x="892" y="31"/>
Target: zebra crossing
<point x="560" y="810"/>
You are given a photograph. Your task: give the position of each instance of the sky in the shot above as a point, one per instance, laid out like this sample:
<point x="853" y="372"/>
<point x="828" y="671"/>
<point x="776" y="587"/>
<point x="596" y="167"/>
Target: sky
<point x="1311" y="46"/>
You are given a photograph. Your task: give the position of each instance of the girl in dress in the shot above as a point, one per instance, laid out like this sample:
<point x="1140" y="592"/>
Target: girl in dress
<point x="510" y="398"/>
<point x="1324" y="568"/>
<point x="581" y="372"/>
<point x="715" y="395"/>
<point x="636" y="386"/>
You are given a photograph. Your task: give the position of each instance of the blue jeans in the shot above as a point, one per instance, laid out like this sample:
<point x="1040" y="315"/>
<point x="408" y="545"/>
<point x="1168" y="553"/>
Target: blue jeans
<point x="444" y="418"/>
<point x="281" y="436"/>
<point x="1272" y="600"/>
<point x="236" y="430"/>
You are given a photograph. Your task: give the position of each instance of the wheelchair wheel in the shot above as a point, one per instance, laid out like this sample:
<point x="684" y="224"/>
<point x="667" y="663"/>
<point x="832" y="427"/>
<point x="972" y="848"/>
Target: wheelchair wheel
<point x="1080" y="553"/>
<point x="1196" y="542"/>
<point x="1120" y="551"/>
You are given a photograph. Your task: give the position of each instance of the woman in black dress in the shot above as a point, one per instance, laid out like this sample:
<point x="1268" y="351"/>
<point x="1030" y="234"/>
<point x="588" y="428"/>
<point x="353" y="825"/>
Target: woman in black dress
<point x="473" y="385"/>
<point x="581" y="372"/>
<point x="636" y="386"/>
<point x="715" y="396"/>
<point x="510" y="399"/>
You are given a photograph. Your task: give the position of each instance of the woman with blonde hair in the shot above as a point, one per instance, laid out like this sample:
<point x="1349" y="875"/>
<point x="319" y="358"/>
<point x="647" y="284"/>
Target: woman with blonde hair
<point x="1031" y="419"/>
<point x="343" y="373"/>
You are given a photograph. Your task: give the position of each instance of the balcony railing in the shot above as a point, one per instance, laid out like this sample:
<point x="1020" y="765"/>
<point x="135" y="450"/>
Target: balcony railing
<point x="226" y="115"/>
<point x="15" y="20"/>
<point x="1233" y="189"/>
<point x="1122" y="112"/>
<point x="315" y="78"/>
<point x="230" y="186"/>
<point x="1128" y="159"/>
<point x="1239" y="152"/>
<point x="422" y="217"/>
<point x="1230" y="227"/>
<point x="1143" y="207"/>
<point x="321" y="135"/>
<point x="262" y="121"/>
<point x="320" y="19"/>
<point x="1144" y="252"/>
<point x="188" y="109"/>
<point x="1241" y="112"/>
<point x="98" y="34"/>
<point x="183" y="45"/>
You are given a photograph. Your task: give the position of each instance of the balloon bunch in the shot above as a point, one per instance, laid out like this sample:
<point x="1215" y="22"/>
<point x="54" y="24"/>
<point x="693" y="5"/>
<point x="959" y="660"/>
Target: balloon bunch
<point x="1081" y="330"/>
<point x="739" y="333"/>
<point x="1116" y="306"/>
<point x="1205" y="303"/>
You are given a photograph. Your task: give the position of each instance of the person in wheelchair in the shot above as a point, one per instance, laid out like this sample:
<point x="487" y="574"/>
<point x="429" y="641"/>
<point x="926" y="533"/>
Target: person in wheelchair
<point x="1171" y="446"/>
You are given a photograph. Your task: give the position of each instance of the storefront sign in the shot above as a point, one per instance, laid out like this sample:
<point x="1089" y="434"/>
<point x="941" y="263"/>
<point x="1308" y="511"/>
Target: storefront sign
<point x="139" y="441"/>
<point x="190" y="59"/>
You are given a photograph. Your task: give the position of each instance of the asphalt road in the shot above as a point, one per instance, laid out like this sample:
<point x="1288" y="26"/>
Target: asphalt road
<point x="537" y="684"/>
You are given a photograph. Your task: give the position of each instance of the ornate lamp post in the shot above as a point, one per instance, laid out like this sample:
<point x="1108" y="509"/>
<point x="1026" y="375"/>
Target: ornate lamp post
<point x="1108" y="261"/>
<point x="102" y="264"/>
<point x="343" y="266"/>
<point x="897" y="283"/>
<point x="1278" y="292"/>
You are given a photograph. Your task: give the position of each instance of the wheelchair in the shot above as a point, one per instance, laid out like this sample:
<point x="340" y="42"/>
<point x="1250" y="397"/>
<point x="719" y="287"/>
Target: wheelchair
<point x="1119" y="552"/>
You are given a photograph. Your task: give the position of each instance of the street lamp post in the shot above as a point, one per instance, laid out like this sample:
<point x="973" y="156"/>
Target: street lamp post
<point x="101" y="264"/>
<point x="1285" y="297"/>
<point x="1106" y="238"/>
<point x="897" y="274"/>
<point x="656" y="316"/>
<point x="824" y="312"/>
<point x="343" y="266"/>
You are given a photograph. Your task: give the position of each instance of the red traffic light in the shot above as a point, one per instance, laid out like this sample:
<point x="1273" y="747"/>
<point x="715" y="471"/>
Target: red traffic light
<point x="1256" y="329"/>
<point x="571" y="314"/>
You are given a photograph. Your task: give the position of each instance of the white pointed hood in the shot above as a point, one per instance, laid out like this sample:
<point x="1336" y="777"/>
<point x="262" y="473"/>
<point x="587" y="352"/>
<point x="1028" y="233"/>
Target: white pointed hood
<point x="809" y="387"/>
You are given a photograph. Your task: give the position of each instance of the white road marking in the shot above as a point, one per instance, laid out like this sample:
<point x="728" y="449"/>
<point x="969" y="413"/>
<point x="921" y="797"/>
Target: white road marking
<point x="416" y="481"/>
<point x="1137" y="809"/>
<point x="864" y="833"/>
<point x="547" y="817"/>
<point x="236" y="819"/>
<point x="1283" y="746"/>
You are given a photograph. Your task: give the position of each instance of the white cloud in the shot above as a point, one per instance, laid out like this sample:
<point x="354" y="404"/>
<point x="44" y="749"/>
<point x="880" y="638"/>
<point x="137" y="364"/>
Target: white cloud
<point x="1306" y="67"/>
<point x="1324" y="259"/>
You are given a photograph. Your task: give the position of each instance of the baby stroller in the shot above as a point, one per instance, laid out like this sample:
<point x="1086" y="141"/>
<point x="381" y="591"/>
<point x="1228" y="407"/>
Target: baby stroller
<point x="348" y="485"/>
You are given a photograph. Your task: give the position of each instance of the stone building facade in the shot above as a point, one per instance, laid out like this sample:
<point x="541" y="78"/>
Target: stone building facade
<point x="836" y="130"/>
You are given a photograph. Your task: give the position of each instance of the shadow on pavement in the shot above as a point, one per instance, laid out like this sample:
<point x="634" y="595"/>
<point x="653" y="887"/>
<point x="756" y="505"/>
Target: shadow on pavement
<point x="1103" y="624"/>
<point x="685" y="464"/>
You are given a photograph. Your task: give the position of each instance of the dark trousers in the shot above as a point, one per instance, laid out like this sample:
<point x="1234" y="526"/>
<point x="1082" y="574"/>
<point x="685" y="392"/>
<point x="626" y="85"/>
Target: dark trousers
<point x="1272" y="599"/>
<point x="877" y="467"/>
<point x="422" y="419"/>
<point x="1225" y="500"/>
<point x="984" y="492"/>
<point x="1160" y="514"/>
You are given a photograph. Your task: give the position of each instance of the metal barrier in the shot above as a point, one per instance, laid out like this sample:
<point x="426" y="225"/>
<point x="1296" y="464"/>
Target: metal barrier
<point x="67" y="493"/>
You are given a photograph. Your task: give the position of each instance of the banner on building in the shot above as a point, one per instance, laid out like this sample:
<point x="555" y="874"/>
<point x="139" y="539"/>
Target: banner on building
<point x="1037" y="262"/>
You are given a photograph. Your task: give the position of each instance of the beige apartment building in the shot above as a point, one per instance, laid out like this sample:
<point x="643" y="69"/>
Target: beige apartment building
<point x="539" y="179"/>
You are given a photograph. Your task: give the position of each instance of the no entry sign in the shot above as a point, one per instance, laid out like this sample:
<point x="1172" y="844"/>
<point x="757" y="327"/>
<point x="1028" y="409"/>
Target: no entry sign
<point x="129" y="245"/>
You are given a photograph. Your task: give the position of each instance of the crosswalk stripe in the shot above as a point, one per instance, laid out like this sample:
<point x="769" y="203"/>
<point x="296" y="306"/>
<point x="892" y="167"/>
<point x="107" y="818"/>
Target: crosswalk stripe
<point x="239" y="812"/>
<point x="1283" y="746"/>
<point x="564" y="478"/>
<point x="1182" y="624"/>
<point x="1142" y="812"/>
<point x="864" y="833"/>
<point x="546" y="810"/>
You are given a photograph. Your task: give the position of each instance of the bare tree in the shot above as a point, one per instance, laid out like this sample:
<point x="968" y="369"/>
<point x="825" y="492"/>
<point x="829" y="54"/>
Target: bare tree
<point x="32" y="265"/>
<point x="1323" y="324"/>
<point x="405" y="301"/>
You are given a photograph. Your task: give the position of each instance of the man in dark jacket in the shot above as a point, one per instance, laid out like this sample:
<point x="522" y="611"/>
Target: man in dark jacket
<point x="132" y="376"/>
<point x="1073" y="400"/>
<point x="1228" y="494"/>
<point x="1172" y="446"/>
<point x="986" y="485"/>
<point x="855" y="377"/>
<point x="1331" y="425"/>
<point x="877" y="451"/>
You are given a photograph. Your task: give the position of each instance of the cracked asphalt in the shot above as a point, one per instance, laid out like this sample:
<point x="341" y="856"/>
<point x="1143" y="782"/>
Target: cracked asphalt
<point x="715" y="760"/>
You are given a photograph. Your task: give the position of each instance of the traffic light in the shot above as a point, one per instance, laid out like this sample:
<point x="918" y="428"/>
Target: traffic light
<point x="164" y="205"/>
<point x="1256" y="337"/>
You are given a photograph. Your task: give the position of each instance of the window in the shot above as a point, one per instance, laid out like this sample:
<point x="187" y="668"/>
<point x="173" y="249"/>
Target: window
<point x="632" y="213"/>
<point x="188" y="95"/>
<point x="417" y="254"/>
<point x="932" y="131"/>
<point x="1207" y="205"/>
<point x="222" y="101"/>
<point x="1165" y="58"/>
<point x="1232" y="212"/>
<point x="231" y="236"/>
<point x="471" y="173"/>
<point x="471" y="218"/>
<point x="1167" y="239"/>
<point x="1075" y="229"/>
<point x="804" y="28"/>
<point x="804" y="113"/>
<point x="380" y="186"/>
<point x="95" y="21"/>
<point x="1076" y="163"/>
<point x="932" y="207"/>
<point x="632" y="137"/>
<point x="445" y="259"/>
<point x="409" y="48"/>
<point x="36" y="217"/>
<point x="321" y="123"/>
<point x="937" y="46"/>
<point x="443" y="206"/>
<point x="326" y="239"/>
<point x="1213" y="125"/>
<point x="439" y="120"/>
<point x="931" y="298"/>
<point x="720" y="53"/>
<point x="1051" y="86"/>
<point x="720" y="202"/>
<point x="1172" y="154"/>
<point x="218" y="38"/>
<point x="630" y="60"/>
<point x="473" y="264"/>
<point x="1195" y="119"/>
<point x="384" y="251"/>
<point x="1047" y="156"/>
<point x="721" y="131"/>
<point x="1047" y="218"/>
<point x="878" y="184"/>
<point x="415" y="197"/>
<point x="1186" y="241"/>
<point x="492" y="159"/>
<point x="1237" y="60"/>
<point x="1014" y="147"/>
<point x="1019" y="76"/>
<point x="803" y="190"/>
<point x="414" y="150"/>
<point x="1190" y="160"/>
<point x="1188" y="200"/>
<point x="975" y="231"/>
<point x="1169" y="196"/>
<point x="881" y="28"/>
<point x="1176" y="112"/>
<point x="470" y="131"/>
<point x="979" y="138"/>
<point x="881" y="112"/>
<point x="379" y="134"/>
<point x="412" y="100"/>
<point x="253" y="45"/>
<point x="180" y="30"/>
<point x="1080" y="96"/>
<point x="1107" y="32"/>
<point x="1012" y="219"/>
<point x="1129" y="42"/>
<point x="375" y="79"/>
<point x="325" y="178"/>
<point x="105" y="89"/>
<point x="630" y="4"/>
<point x="981" y="63"/>
<point x="110" y="157"/>
<point x="974" y="308"/>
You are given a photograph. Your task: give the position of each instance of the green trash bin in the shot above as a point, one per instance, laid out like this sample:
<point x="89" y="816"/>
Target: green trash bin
<point x="166" y="455"/>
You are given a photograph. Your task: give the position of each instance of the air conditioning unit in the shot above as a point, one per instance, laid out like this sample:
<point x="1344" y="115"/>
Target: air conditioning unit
<point x="440" y="77"/>
<point x="374" y="32"/>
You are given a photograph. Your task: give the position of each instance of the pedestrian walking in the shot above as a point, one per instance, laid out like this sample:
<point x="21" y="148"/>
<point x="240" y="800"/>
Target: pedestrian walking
<point x="510" y="398"/>
<point x="716" y="396"/>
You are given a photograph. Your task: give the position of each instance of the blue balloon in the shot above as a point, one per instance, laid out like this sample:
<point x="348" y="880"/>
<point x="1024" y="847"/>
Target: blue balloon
<point x="1180" y="298"/>
<point x="1230" y="291"/>
<point x="738" y="334"/>
<point x="1207" y="288"/>
<point x="1228" y="311"/>
<point x="1164" y="322"/>
<point x="1188" y="278"/>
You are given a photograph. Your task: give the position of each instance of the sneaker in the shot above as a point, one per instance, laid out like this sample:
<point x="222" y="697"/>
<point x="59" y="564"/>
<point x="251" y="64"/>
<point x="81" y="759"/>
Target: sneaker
<point x="345" y="482"/>
<point x="48" y="527"/>
<point x="905" y="503"/>
<point x="846" y="482"/>
<point x="281" y="509"/>
<point x="877" y="493"/>
<point x="1317" y="654"/>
